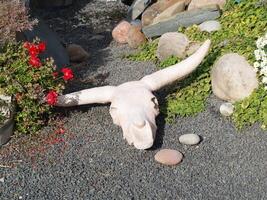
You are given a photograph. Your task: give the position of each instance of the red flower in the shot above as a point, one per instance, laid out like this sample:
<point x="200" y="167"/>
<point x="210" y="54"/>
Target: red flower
<point x="33" y="50"/>
<point x="35" y="62"/>
<point x="68" y="74"/>
<point x="41" y="46"/>
<point x="51" y="97"/>
<point x="26" y="45"/>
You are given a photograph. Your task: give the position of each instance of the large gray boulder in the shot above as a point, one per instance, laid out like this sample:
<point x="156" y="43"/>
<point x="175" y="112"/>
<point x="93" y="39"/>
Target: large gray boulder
<point x="183" y="19"/>
<point x="233" y="78"/>
<point x="137" y="8"/>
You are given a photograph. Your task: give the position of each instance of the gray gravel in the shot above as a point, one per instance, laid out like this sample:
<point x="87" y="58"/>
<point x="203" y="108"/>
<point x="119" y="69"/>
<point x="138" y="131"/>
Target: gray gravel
<point x="98" y="164"/>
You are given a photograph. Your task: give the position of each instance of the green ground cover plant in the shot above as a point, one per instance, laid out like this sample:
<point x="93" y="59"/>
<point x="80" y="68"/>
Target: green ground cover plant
<point x="242" y="24"/>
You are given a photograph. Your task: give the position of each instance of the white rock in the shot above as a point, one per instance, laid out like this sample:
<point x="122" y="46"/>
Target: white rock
<point x="189" y="139"/>
<point x="210" y="26"/>
<point x="2" y="180"/>
<point x="172" y="44"/>
<point x="202" y="3"/>
<point x="227" y="109"/>
<point x="233" y="78"/>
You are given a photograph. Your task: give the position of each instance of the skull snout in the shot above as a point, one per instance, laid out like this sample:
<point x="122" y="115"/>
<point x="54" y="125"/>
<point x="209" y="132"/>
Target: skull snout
<point x="142" y="135"/>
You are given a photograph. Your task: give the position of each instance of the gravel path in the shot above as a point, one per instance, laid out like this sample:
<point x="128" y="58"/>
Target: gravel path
<point x="94" y="162"/>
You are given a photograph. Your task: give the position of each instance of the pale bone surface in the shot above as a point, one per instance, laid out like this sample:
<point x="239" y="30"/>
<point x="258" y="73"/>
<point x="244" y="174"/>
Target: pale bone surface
<point x="133" y="106"/>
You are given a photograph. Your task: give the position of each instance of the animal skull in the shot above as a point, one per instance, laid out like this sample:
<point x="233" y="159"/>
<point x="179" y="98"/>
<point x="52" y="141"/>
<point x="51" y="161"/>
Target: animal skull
<point x="133" y="106"/>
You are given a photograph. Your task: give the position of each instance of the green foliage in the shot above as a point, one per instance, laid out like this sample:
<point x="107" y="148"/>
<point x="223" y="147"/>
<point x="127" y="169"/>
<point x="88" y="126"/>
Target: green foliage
<point x="168" y="62"/>
<point x="252" y="109"/>
<point x="29" y="85"/>
<point x="242" y="24"/>
<point x="147" y="52"/>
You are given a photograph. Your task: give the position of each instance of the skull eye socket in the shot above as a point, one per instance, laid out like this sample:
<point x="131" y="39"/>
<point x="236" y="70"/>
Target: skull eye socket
<point x="156" y="104"/>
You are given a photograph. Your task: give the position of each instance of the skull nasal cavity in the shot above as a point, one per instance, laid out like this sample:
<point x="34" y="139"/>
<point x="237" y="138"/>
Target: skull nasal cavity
<point x="140" y="123"/>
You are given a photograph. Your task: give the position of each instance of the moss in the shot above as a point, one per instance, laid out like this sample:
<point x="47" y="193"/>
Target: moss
<point x="242" y="24"/>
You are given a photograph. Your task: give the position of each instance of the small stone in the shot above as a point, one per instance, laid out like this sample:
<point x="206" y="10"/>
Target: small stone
<point x="195" y="4"/>
<point x="168" y="157"/>
<point x="227" y="109"/>
<point x="20" y="197"/>
<point x="2" y="180"/>
<point x="77" y="53"/>
<point x="172" y="44"/>
<point x="170" y="12"/>
<point x="189" y="139"/>
<point x="120" y="32"/>
<point x="97" y="37"/>
<point x="135" y="37"/>
<point x="210" y="26"/>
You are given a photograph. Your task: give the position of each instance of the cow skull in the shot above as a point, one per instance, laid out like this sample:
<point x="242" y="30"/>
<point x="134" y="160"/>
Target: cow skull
<point x="133" y="106"/>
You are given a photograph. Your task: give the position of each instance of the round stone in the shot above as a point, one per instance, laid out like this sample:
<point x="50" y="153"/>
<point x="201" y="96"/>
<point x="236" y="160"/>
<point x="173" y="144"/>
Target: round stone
<point x="135" y="37"/>
<point x="77" y="53"/>
<point x="210" y="26"/>
<point x="120" y="32"/>
<point x="233" y="78"/>
<point x="169" y="157"/>
<point x="189" y="139"/>
<point x="227" y="109"/>
<point x="172" y="44"/>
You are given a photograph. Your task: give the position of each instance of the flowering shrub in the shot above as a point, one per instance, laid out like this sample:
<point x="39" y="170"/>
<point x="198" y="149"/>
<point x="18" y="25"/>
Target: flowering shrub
<point x="33" y="82"/>
<point x="261" y="57"/>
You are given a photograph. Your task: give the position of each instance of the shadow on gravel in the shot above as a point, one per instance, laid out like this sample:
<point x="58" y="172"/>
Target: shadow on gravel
<point x="160" y="133"/>
<point x="76" y="24"/>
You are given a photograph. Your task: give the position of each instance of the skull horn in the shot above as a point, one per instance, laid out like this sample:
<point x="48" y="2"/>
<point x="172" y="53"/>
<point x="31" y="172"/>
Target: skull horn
<point x="178" y="71"/>
<point x="88" y="96"/>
